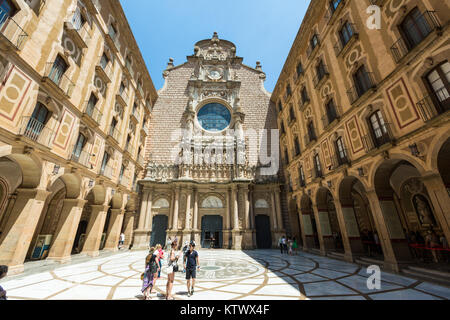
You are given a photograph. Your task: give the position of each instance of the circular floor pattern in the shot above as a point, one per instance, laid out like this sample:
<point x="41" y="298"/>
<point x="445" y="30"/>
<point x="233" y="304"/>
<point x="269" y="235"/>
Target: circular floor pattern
<point x="224" y="275"/>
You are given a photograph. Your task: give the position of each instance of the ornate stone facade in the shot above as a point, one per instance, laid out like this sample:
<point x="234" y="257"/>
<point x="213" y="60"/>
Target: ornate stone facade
<point x="201" y="158"/>
<point x="365" y="129"/>
<point x="75" y="102"/>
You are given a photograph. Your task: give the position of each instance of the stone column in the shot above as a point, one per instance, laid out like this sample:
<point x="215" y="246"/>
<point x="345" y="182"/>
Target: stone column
<point x="440" y="200"/>
<point x="128" y="230"/>
<point x="348" y="225"/>
<point x="278" y="207"/>
<point x="114" y="229"/>
<point x="274" y="211"/>
<point x="323" y="246"/>
<point x="252" y="219"/>
<point x="247" y="237"/>
<point x="390" y="259"/>
<point x="94" y="230"/>
<point x="237" y="235"/>
<point x="19" y="228"/>
<point x="174" y="230"/>
<point x="69" y="219"/>
<point x="196" y="229"/>
<point x="227" y="233"/>
<point x="187" y="222"/>
<point x="142" y="234"/>
<point x="148" y="212"/>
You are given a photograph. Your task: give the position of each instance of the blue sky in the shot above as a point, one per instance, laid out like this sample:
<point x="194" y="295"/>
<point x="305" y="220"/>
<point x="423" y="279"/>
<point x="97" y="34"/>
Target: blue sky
<point x="262" y="30"/>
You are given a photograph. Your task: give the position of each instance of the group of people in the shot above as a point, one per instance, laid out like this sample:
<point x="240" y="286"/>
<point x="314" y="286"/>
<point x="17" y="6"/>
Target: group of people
<point x="153" y="266"/>
<point x="431" y="247"/>
<point x="288" y="245"/>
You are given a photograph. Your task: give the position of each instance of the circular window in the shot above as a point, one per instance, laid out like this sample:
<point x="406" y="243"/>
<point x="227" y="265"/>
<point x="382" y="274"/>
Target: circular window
<point x="214" y="117"/>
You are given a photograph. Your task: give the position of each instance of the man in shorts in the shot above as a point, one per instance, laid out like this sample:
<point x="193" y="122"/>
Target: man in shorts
<point x="192" y="264"/>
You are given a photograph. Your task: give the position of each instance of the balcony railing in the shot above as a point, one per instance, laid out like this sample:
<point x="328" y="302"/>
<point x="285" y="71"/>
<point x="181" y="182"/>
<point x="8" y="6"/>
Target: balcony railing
<point x="12" y="31"/>
<point x="136" y="114"/>
<point x="329" y="117"/>
<point x="341" y="159"/>
<point x="79" y="33"/>
<point x="130" y="149"/>
<point x="383" y="135"/>
<point x="340" y="44"/>
<point x="60" y="80"/>
<point x="107" y="171"/>
<point x="106" y="70"/>
<point x="123" y="97"/>
<point x="309" y="138"/>
<point x="322" y="74"/>
<point x="93" y="112"/>
<point x="360" y="88"/>
<point x="433" y="105"/>
<point x="141" y="161"/>
<point x="426" y="23"/>
<point x="82" y="158"/>
<point x="115" y="134"/>
<point x="36" y="131"/>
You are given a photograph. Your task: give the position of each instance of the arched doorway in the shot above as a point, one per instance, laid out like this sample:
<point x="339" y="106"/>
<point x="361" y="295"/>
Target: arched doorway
<point x="160" y="222"/>
<point x="331" y="232"/>
<point x="413" y="227"/>
<point x="55" y="235"/>
<point x="358" y="219"/>
<point x="212" y="231"/>
<point x="309" y="226"/>
<point x="262" y="224"/>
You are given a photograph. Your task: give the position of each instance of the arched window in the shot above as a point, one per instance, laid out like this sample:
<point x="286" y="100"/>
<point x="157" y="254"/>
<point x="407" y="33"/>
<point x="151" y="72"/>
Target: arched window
<point x="318" y="166"/>
<point x="81" y="142"/>
<point x="341" y="152"/>
<point x="378" y="128"/>
<point x="37" y="121"/>
<point x="212" y="202"/>
<point x="301" y="175"/>
<point x="415" y="28"/>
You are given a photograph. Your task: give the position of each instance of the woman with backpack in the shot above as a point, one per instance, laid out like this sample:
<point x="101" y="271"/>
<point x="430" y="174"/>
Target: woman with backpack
<point x="171" y="269"/>
<point x="150" y="274"/>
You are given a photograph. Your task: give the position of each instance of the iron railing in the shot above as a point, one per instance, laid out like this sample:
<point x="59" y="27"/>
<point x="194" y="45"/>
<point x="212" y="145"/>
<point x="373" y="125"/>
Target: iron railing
<point x="123" y="97"/>
<point x="59" y="79"/>
<point x="435" y="104"/>
<point x="106" y="69"/>
<point x="321" y="73"/>
<point x="360" y="88"/>
<point x="36" y="131"/>
<point x="107" y="171"/>
<point x="341" y="159"/>
<point x="11" y="30"/>
<point x="426" y="23"/>
<point x="115" y="134"/>
<point x="93" y="112"/>
<point x="383" y="135"/>
<point x="82" y="31"/>
<point x="82" y="158"/>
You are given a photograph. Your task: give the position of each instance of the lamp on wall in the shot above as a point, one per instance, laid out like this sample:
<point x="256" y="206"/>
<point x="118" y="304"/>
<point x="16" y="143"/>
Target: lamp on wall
<point x="56" y="169"/>
<point x="361" y="171"/>
<point x="414" y="150"/>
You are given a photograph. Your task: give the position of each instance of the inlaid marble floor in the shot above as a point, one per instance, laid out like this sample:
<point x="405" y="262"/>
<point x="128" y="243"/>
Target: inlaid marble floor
<point x="224" y="275"/>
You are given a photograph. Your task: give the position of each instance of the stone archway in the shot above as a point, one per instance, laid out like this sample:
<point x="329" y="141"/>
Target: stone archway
<point x="361" y="230"/>
<point x="61" y="215"/>
<point x="308" y="224"/>
<point x="331" y="232"/>
<point x="212" y="215"/>
<point x="412" y="220"/>
<point x="262" y="224"/>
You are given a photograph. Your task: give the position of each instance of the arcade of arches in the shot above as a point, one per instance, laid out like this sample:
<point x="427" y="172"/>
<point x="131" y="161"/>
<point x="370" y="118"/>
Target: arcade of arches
<point x="398" y="212"/>
<point x="53" y="216"/>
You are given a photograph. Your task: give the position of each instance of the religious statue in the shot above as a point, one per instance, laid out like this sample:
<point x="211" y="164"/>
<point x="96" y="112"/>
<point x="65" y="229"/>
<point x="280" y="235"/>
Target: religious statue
<point x="423" y="210"/>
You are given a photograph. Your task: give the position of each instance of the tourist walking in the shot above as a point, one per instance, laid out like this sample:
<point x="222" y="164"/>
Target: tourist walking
<point x="192" y="264"/>
<point x="149" y="275"/>
<point x="160" y="258"/>
<point x="185" y="249"/>
<point x="3" y="273"/>
<point x="172" y="267"/>
<point x="284" y="243"/>
<point x="121" y="240"/>
<point x="280" y="244"/>
<point x="295" y="245"/>
<point x="290" y="246"/>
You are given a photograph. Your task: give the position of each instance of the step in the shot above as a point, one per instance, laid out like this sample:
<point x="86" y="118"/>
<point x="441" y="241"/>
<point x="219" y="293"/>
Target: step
<point x="315" y="251"/>
<point x="336" y="255"/>
<point x="366" y="262"/>
<point x="429" y="277"/>
<point x="371" y="260"/>
<point x="437" y="273"/>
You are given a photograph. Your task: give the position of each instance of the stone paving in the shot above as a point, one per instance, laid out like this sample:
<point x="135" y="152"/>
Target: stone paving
<point x="224" y="275"/>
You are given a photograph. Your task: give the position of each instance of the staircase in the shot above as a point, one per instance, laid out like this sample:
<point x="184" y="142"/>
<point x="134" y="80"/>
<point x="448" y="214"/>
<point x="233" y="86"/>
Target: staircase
<point x="439" y="277"/>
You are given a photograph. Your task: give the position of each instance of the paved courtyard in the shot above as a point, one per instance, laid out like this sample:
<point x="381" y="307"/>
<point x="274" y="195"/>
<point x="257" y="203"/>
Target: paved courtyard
<point x="224" y="275"/>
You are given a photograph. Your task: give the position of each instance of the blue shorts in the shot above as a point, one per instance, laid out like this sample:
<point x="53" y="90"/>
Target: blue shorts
<point x="191" y="273"/>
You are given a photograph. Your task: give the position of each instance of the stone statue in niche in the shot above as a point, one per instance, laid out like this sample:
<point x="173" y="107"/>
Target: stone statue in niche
<point x="423" y="210"/>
